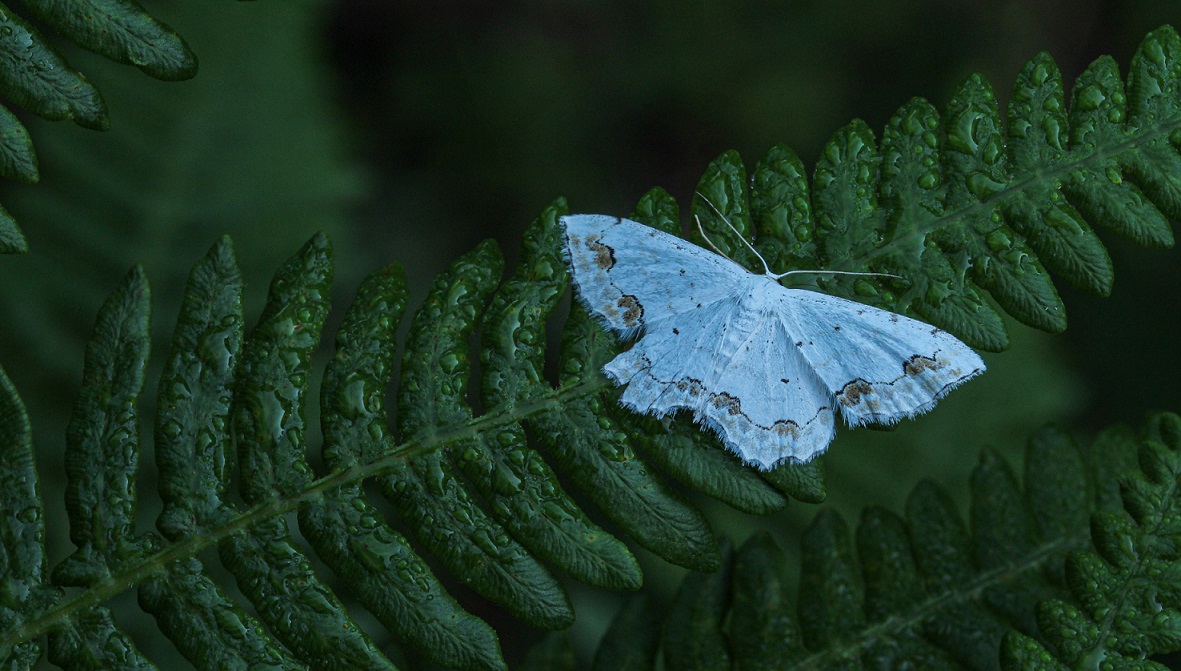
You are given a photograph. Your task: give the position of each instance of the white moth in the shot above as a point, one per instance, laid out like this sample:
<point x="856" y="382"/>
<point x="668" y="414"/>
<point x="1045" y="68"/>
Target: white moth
<point x="764" y="366"/>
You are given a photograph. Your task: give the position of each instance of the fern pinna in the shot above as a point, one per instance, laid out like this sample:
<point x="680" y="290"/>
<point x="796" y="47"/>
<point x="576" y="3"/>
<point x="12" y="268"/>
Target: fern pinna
<point x="952" y="205"/>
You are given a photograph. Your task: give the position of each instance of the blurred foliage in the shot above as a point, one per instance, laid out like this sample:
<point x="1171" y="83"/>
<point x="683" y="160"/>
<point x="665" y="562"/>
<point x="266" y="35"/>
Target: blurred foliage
<point x="250" y="147"/>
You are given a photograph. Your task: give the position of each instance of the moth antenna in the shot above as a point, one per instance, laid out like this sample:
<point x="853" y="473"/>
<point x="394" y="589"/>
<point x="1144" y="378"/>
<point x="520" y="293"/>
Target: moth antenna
<point x="835" y="272"/>
<point x="711" y="242"/>
<point x="766" y="268"/>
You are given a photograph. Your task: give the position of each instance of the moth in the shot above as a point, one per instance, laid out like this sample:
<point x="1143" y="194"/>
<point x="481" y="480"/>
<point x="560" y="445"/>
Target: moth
<point x="764" y="366"/>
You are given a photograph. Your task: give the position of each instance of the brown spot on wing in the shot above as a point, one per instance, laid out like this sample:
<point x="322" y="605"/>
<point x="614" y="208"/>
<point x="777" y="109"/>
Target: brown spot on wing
<point x="633" y="310"/>
<point x="918" y="363"/>
<point x="604" y="256"/>
<point x="724" y="401"/>
<point x="853" y="392"/>
<point x="786" y="427"/>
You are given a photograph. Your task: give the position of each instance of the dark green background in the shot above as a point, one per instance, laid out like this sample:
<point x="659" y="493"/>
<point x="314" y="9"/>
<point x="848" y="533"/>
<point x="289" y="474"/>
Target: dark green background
<point x="412" y="130"/>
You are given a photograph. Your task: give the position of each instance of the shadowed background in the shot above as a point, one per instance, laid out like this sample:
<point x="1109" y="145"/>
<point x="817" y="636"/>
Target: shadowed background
<point x="410" y="131"/>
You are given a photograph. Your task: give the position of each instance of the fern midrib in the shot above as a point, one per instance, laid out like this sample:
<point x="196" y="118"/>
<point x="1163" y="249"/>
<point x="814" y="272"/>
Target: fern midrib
<point x="920" y="233"/>
<point x="896" y="624"/>
<point x="142" y="569"/>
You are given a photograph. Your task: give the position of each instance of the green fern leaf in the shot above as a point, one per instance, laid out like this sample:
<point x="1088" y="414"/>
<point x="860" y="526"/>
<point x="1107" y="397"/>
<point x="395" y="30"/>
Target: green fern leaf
<point x="35" y="76"/>
<point x="471" y="490"/>
<point x="101" y="459"/>
<point x="22" y="545"/>
<point x="959" y="205"/>
<point x="346" y="530"/>
<point x="1097" y="105"/>
<point x="207" y="626"/>
<point x="1037" y="140"/>
<point x="1018" y="591"/>
<point x="522" y="492"/>
<point x="273" y="377"/>
<point x="1127" y="593"/>
<point x="17" y="159"/>
<point x="122" y="31"/>
<point x="103" y="438"/>
<point x="12" y="241"/>
<point x="427" y="491"/>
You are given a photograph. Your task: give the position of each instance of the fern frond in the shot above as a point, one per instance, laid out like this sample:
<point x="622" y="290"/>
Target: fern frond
<point x="35" y="76"/>
<point x="1052" y="573"/>
<point x="962" y="205"/>
<point x="474" y="491"/>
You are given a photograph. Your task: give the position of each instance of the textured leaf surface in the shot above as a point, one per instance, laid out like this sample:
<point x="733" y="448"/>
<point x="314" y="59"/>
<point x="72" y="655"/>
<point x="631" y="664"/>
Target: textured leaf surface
<point x="269" y="428"/>
<point x="22" y="531"/>
<point x="122" y="31"/>
<point x="428" y="492"/>
<point x="374" y="560"/>
<point x="210" y="629"/>
<point x="12" y="241"/>
<point x="1019" y="590"/>
<point x="102" y="441"/>
<point x="491" y="506"/>
<point x="102" y="454"/>
<point x="193" y="449"/>
<point x="36" y="77"/>
<point x="193" y="454"/>
<point x="598" y="457"/>
<point x="17" y="159"/>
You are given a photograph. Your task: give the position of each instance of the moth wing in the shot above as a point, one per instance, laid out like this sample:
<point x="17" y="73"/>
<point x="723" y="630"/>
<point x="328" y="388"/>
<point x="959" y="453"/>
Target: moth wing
<point x="738" y="373"/>
<point x="881" y="366"/>
<point x="629" y="274"/>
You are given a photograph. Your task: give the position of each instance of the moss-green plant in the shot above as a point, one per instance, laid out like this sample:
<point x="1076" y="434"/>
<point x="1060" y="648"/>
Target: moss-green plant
<point x="953" y="205"/>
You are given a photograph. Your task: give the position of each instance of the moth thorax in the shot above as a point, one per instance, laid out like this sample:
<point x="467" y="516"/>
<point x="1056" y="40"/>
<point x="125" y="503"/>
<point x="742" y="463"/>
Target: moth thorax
<point x="757" y="297"/>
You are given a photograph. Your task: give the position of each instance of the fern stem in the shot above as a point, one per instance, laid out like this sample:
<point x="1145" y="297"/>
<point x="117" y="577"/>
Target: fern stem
<point x="140" y="570"/>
